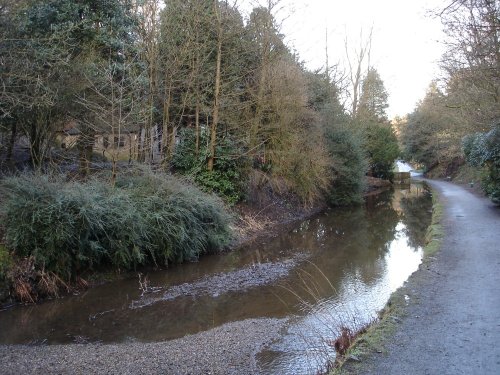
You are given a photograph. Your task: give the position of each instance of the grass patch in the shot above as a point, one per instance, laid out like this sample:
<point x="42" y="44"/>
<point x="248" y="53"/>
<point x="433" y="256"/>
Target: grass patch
<point x="435" y="231"/>
<point x="376" y="336"/>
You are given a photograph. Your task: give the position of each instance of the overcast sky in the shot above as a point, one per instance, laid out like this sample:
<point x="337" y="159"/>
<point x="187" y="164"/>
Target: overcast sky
<point x="406" y="43"/>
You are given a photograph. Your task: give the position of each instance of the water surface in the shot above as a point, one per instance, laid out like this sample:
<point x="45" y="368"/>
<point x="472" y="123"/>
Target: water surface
<point x="344" y="263"/>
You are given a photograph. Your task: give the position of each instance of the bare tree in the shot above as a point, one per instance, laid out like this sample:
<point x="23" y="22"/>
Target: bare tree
<point x="217" y="87"/>
<point x="269" y="47"/>
<point x="472" y="60"/>
<point x="115" y="107"/>
<point x="358" y="67"/>
<point x="147" y="12"/>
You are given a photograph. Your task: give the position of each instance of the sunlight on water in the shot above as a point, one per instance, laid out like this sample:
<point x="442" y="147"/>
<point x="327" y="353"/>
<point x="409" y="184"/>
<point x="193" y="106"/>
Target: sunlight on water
<point x="308" y="343"/>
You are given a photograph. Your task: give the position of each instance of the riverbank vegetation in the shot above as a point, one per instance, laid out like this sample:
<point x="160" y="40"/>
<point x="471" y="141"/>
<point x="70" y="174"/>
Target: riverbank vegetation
<point x="95" y="92"/>
<point x="458" y="120"/>
<point x="65" y="229"/>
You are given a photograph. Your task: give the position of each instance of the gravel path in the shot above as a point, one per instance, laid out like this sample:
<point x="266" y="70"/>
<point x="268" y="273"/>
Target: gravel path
<point x="229" y="349"/>
<point x="453" y="321"/>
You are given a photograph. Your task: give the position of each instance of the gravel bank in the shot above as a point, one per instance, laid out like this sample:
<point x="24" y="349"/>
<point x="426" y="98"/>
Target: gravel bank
<point x="225" y="282"/>
<point x="229" y="349"/>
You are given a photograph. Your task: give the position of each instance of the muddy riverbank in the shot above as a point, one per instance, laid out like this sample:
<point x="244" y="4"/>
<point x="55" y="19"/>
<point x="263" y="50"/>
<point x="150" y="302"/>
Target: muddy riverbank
<point x="274" y="214"/>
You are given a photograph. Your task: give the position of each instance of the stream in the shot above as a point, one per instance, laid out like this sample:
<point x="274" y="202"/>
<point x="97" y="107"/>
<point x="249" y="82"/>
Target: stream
<point x="335" y="269"/>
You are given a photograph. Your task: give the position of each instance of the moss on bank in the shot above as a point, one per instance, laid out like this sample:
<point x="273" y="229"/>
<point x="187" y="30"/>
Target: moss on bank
<point x="435" y="231"/>
<point x="376" y="337"/>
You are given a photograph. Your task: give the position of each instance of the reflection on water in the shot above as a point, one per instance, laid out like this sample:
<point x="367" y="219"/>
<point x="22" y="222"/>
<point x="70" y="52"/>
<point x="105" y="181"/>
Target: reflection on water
<point x="380" y="255"/>
<point x="365" y="253"/>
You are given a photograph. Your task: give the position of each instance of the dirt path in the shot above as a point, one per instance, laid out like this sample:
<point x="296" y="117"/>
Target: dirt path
<point x="453" y="321"/>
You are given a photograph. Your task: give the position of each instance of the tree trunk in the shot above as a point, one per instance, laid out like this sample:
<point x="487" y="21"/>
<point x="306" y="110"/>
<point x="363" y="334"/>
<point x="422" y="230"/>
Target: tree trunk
<point x="82" y="160"/>
<point x="85" y="148"/>
<point x="171" y="145"/>
<point x="265" y="60"/>
<point x="113" y="172"/>
<point x="140" y="149"/>
<point x="197" y="129"/>
<point x="215" y="120"/>
<point x="165" y="129"/>
<point x="35" y="144"/>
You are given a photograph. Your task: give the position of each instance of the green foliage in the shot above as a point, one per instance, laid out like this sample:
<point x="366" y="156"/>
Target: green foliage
<point x="383" y="150"/>
<point x="349" y="164"/>
<point x="320" y="92"/>
<point x="70" y="227"/>
<point x="103" y="66"/>
<point x="227" y="178"/>
<point x="483" y="150"/>
<point x="418" y="140"/>
<point x="432" y="133"/>
<point x="374" y="98"/>
<point x="288" y="141"/>
<point x="477" y="149"/>
<point x="46" y="55"/>
<point x="183" y="222"/>
<point x="79" y="19"/>
<point x="380" y="142"/>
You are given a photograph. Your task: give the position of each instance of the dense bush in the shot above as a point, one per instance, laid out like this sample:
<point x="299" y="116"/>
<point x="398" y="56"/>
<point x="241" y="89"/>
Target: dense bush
<point x="183" y="222"/>
<point x="227" y="178"/>
<point x="300" y="161"/>
<point x="349" y="165"/>
<point x="383" y="150"/>
<point x="70" y="227"/>
<point x="483" y="150"/>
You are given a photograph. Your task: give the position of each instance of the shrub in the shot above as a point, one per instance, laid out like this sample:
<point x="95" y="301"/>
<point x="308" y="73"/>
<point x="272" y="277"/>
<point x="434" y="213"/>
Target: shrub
<point x="300" y="159"/>
<point x="483" y="150"/>
<point x="182" y="221"/>
<point x="70" y="227"/>
<point x="349" y="165"/>
<point x="229" y="173"/>
<point x="383" y="150"/>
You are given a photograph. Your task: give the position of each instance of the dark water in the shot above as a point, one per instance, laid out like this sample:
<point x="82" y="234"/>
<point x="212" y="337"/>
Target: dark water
<point x="347" y="262"/>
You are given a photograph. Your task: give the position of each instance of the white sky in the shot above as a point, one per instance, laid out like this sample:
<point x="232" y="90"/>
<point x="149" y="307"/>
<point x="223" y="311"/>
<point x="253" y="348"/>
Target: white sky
<point x="406" y="42"/>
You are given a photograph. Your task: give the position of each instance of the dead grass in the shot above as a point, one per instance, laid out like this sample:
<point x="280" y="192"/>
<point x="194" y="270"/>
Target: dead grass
<point x="250" y="224"/>
<point x="49" y="284"/>
<point x="345" y="340"/>
<point x="435" y="231"/>
<point x="28" y="284"/>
